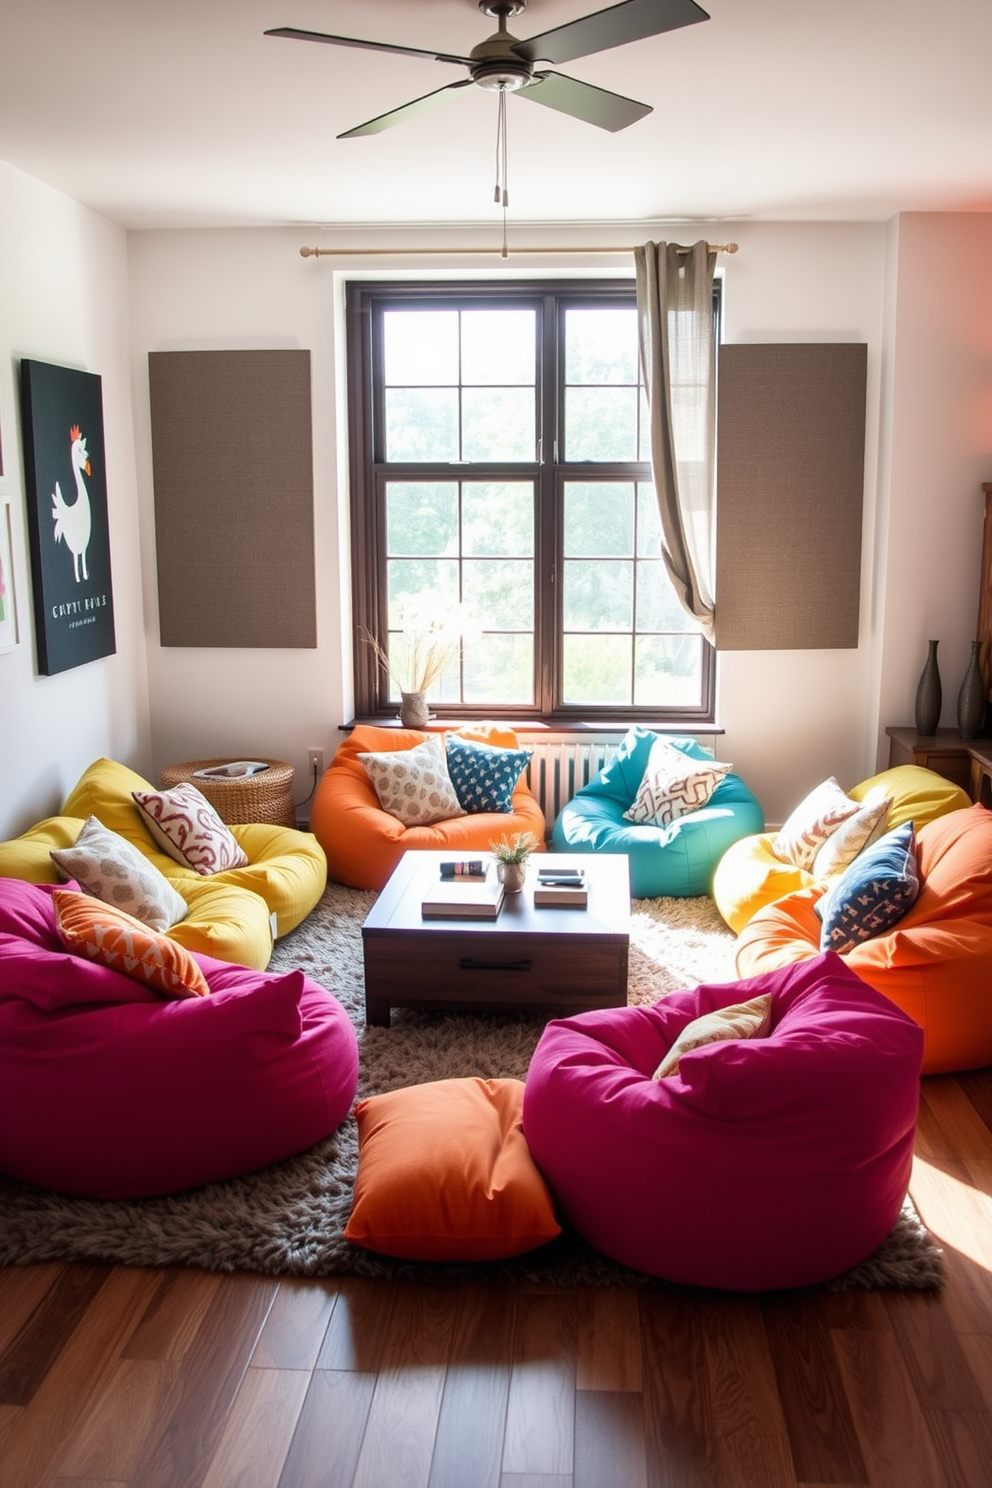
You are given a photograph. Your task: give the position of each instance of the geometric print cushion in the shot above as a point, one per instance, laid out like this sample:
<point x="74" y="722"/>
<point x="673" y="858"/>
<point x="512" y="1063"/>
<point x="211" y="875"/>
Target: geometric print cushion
<point x="483" y="775"/>
<point x="807" y="828"/>
<point x="90" y="928"/>
<point x="413" y="784"/>
<point x="109" y="868"/>
<point x="186" y="826"/>
<point x="673" y="784"/>
<point x="873" y="894"/>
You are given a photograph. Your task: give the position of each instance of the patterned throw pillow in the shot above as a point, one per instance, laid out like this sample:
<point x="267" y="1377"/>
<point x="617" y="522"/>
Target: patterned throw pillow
<point x="413" y="784"/>
<point x="811" y="823"/>
<point x="186" y="826"/>
<point x="484" y="776"/>
<point x="109" y="868"/>
<point x="858" y="831"/>
<point x="873" y="894"/>
<point x="743" y="1020"/>
<point x="88" y="927"/>
<point x="673" y="784"/>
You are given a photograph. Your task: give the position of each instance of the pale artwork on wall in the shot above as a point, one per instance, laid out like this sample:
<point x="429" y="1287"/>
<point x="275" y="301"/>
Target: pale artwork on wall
<point x="8" y="604"/>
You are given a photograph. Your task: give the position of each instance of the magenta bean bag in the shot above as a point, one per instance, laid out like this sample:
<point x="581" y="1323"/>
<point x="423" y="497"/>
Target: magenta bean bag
<point x="111" y="1090"/>
<point x="768" y="1162"/>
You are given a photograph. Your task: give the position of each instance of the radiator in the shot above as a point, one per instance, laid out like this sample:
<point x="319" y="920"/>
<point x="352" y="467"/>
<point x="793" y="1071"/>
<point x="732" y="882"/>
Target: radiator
<point x="558" y="768"/>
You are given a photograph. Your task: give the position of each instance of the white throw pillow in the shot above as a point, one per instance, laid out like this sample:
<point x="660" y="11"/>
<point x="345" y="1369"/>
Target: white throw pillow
<point x="859" y="831"/>
<point x="811" y="823"/>
<point x="413" y="784"/>
<point x="109" y="868"/>
<point x="186" y="826"/>
<point x="743" y="1020"/>
<point x="673" y="784"/>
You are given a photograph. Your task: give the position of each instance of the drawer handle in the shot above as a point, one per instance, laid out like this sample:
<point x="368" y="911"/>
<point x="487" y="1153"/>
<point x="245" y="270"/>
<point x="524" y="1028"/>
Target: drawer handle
<point x="469" y="963"/>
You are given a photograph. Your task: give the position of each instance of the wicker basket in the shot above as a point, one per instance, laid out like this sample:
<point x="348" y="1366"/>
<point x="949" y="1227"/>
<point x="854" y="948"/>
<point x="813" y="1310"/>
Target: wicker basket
<point x="265" y="797"/>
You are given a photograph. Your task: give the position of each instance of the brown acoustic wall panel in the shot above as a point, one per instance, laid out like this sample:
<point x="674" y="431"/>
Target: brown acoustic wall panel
<point x="790" y="489"/>
<point x="233" y="470"/>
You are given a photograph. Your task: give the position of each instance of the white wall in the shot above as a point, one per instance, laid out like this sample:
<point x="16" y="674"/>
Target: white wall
<point x="63" y="299"/>
<point x="784" y="729"/>
<point x="790" y="718"/>
<point x="939" y="391"/>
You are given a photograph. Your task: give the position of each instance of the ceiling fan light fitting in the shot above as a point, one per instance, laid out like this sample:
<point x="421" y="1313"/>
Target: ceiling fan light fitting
<point x="500" y="75"/>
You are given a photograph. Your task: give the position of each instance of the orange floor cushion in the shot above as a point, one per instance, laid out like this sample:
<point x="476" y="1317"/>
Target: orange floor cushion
<point x="363" y="843"/>
<point x="935" y="963"/>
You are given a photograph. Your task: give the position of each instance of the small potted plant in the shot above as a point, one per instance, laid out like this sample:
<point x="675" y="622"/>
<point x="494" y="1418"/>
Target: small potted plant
<point x="511" y="854"/>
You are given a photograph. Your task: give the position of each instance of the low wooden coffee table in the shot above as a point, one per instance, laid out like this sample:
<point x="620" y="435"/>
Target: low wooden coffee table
<point x="547" y="961"/>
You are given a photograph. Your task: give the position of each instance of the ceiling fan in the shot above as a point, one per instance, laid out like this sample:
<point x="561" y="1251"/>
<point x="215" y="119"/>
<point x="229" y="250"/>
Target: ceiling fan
<point x="505" y="64"/>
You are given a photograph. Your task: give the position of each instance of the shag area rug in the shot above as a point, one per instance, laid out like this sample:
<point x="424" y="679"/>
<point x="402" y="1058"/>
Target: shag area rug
<point x="288" y="1219"/>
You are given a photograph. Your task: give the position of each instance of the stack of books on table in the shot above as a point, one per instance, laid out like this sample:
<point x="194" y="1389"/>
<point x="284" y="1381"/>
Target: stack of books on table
<point x="464" y="895"/>
<point x="564" y="886"/>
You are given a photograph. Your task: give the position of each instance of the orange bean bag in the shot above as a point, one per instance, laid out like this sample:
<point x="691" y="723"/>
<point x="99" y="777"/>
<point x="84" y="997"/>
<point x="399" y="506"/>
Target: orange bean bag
<point x="363" y="843"/>
<point x="936" y="962"/>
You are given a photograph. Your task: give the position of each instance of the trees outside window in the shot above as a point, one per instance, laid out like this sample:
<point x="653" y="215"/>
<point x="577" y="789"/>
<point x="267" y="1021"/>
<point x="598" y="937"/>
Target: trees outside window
<point x="501" y="479"/>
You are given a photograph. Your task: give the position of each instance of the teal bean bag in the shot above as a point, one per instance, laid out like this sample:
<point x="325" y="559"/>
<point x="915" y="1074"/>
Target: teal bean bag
<point x="677" y="860"/>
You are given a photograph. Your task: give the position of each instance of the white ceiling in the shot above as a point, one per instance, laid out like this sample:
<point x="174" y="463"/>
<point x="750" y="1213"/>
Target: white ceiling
<point x="176" y="113"/>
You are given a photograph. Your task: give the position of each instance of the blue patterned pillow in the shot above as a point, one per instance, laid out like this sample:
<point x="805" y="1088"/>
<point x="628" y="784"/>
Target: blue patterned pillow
<point x="872" y="894"/>
<point x="483" y="775"/>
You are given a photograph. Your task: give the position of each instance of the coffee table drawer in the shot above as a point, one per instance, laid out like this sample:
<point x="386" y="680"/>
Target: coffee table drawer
<point x="474" y="974"/>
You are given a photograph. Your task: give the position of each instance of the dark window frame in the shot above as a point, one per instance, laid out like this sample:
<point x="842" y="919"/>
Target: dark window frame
<point x="365" y="302"/>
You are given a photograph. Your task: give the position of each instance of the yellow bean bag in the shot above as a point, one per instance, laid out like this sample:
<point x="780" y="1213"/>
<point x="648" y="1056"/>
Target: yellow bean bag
<point x="231" y="913"/>
<point x="749" y="875"/>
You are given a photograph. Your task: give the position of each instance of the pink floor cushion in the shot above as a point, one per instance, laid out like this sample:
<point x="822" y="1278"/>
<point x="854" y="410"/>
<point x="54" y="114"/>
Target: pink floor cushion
<point x="111" y="1090"/>
<point x="776" y="1160"/>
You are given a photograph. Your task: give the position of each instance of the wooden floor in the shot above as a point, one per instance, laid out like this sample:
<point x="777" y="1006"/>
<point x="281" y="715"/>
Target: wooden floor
<point x="181" y="1379"/>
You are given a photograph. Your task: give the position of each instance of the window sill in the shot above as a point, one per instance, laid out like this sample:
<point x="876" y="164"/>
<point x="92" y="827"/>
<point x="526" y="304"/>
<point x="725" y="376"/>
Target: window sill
<point x="551" y="726"/>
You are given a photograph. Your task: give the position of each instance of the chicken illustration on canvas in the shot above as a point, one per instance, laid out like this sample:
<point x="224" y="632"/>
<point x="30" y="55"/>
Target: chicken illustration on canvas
<point x="73" y="520"/>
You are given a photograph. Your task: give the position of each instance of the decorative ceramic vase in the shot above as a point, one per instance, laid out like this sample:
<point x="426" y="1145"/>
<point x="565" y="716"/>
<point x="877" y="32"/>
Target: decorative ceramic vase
<point x="512" y="876"/>
<point x="971" y="698"/>
<point x="928" y="695"/>
<point x="414" y="712"/>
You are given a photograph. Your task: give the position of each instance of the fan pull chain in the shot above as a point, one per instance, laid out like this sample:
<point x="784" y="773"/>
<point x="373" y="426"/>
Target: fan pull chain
<point x="501" y="195"/>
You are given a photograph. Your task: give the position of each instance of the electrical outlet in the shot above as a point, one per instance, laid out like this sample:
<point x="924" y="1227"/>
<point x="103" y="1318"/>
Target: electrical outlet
<point x="315" y="760"/>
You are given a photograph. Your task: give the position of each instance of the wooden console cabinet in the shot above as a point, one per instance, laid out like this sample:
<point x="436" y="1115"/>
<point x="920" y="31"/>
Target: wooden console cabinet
<point x="967" y="762"/>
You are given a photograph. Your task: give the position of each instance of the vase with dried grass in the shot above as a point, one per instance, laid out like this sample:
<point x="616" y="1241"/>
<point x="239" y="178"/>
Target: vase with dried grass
<point x="429" y="648"/>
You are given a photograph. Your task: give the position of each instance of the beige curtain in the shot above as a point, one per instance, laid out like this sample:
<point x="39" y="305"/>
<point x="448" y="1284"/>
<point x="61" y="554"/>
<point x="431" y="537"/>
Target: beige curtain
<point x="678" y="361"/>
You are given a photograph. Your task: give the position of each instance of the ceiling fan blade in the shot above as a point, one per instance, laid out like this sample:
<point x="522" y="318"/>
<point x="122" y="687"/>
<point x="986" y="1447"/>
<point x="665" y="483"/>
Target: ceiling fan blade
<point x="631" y="21"/>
<point x="594" y="105"/>
<point x="404" y="112"/>
<point x="371" y="46"/>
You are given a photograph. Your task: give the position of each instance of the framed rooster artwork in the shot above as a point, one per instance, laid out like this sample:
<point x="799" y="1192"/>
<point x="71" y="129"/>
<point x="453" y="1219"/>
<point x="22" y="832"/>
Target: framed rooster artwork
<point x="68" y="529"/>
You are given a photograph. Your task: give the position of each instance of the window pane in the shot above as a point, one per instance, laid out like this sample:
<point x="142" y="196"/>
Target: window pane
<point x="420" y="347"/>
<point x="596" y="669"/>
<point x="657" y="605"/>
<point x="644" y="432"/>
<point x="421" y="424"/>
<point x="599" y="519"/>
<point x="498" y="346"/>
<point x="421" y="517"/>
<point x="499" y="593"/>
<point x="498" y="519"/>
<point x="421" y="586"/>
<point x="500" y="669"/>
<point x="498" y="424"/>
<point x="601" y="345"/>
<point x="669" y="671"/>
<point x="648" y="521"/>
<point x="598" y="596"/>
<point x="601" y="423"/>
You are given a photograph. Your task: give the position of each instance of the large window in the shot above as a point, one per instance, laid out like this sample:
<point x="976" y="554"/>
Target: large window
<point x="501" y="475"/>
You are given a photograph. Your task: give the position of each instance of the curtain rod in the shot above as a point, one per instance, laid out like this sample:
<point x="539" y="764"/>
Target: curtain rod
<point x="503" y="252"/>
